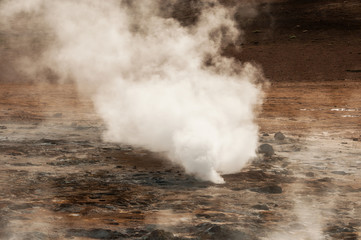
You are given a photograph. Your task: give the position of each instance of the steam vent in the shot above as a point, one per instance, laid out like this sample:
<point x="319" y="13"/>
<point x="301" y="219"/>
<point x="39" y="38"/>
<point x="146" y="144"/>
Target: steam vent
<point x="180" y="120"/>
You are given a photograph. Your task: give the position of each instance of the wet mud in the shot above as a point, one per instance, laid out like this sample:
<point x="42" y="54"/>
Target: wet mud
<point x="60" y="180"/>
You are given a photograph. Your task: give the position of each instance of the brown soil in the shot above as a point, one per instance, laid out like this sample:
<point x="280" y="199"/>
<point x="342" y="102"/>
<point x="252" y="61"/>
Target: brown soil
<point x="306" y="40"/>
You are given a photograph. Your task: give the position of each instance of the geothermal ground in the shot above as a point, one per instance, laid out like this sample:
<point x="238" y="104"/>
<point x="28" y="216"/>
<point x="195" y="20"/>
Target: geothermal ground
<point x="59" y="180"/>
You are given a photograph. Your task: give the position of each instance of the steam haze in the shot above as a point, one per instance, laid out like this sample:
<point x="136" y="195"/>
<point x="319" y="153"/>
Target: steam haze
<point x="156" y="83"/>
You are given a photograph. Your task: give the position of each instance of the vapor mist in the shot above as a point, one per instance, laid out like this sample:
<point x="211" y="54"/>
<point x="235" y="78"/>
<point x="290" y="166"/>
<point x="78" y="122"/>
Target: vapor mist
<point x="155" y="82"/>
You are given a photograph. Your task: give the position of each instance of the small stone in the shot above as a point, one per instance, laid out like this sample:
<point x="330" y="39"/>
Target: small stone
<point x="96" y="233"/>
<point x="160" y="235"/>
<point x="21" y="206"/>
<point x="355" y="139"/>
<point x="113" y="223"/>
<point x="266" y="149"/>
<point x="58" y="115"/>
<point x="218" y="232"/>
<point x="265" y="134"/>
<point x="203" y="215"/>
<point x="341" y="229"/>
<point x="325" y="179"/>
<point x="279" y="136"/>
<point x="339" y="172"/>
<point x="272" y="189"/>
<point x="261" y="207"/>
<point x="310" y="174"/>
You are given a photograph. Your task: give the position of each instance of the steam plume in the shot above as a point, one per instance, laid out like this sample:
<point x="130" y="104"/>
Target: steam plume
<point x="155" y="82"/>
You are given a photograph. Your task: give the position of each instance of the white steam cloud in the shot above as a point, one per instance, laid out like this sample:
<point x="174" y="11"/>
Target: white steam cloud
<point x="155" y="83"/>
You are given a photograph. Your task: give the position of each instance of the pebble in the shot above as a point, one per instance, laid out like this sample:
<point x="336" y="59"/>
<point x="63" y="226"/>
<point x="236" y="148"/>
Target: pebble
<point x="58" y="115"/>
<point x="339" y="172"/>
<point x="160" y="235"/>
<point x="218" y="232"/>
<point x="279" y="136"/>
<point x="272" y="189"/>
<point x="266" y="149"/>
<point x="96" y="233"/>
<point x="261" y="207"/>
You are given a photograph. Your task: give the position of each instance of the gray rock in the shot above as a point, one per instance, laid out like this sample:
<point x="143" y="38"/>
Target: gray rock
<point x="21" y="206"/>
<point x="339" y="172"/>
<point x="272" y="189"/>
<point x="279" y="136"/>
<point x="266" y="149"/>
<point x="57" y="115"/>
<point x="217" y="232"/>
<point x="96" y="233"/>
<point x="261" y="207"/>
<point x="160" y="235"/>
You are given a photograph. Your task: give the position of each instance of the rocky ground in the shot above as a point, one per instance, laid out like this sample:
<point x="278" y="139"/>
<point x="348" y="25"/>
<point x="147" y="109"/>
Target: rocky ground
<point x="59" y="180"/>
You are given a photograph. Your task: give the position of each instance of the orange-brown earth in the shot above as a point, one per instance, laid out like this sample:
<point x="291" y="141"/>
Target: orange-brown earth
<point x="59" y="180"/>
